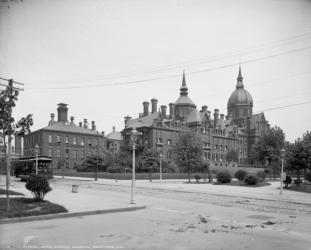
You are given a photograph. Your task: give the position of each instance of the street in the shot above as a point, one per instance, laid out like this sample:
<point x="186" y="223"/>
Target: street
<point x="173" y="220"/>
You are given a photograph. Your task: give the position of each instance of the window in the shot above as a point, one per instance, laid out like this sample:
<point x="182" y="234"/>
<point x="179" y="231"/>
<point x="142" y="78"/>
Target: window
<point x="82" y="141"/>
<point x="74" y="154"/>
<point x="220" y="147"/>
<point x="58" y="139"/>
<point x="226" y="148"/>
<point x="50" y="152"/>
<point x="74" y="140"/>
<point x="67" y="153"/>
<point x="169" y="142"/>
<point x="89" y="141"/>
<point x="58" y="153"/>
<point x="50" y="138"/>
<point x="216" y="146"/>
<point x="67" y="139"/>
<point x="82" y="154"/>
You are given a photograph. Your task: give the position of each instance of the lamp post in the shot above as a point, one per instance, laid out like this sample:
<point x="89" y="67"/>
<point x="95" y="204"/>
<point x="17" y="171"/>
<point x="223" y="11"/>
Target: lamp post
<point x="281" y="180"/>
<point x="37" y="152"/>
<point x="134" y="136"/>
<point x="159" y="147"/>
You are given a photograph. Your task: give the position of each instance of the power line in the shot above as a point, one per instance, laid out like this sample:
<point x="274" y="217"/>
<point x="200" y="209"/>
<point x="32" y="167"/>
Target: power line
<point x="282" y="107"/>
<point x="197" y="61"/>
<point x="177" y="75"/>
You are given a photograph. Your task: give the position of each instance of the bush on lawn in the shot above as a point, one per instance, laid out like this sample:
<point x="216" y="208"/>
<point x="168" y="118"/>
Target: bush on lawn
<point x="308" y="176"/>
<point x="39" y="186"/>
<point x="116" y="169"/>
<point x="287" y="181"/>
<point x="240" y="174"/>
<point x="223" y="177"/>
<point x="197" y="177"/>
<point x="251" y="180"/>
<point x="261" y="175"/>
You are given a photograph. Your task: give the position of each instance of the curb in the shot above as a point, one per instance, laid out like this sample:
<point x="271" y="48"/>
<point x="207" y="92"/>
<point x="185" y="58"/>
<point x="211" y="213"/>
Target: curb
<point x="69" y="215"/>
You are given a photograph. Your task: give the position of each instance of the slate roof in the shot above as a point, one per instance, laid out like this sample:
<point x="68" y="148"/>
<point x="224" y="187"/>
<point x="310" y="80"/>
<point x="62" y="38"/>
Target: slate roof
<point x="114" y="135"/>
<point x="71" y="128"/>
<point x="184" y="100"/>
<point x="144" y="121"/>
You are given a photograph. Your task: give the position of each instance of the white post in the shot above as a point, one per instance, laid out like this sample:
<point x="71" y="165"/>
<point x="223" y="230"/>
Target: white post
<point x="281" y="181"/>
<point x="160" y="169"/>
<point x="37" y="151"/>
<point x="133" y="177"/>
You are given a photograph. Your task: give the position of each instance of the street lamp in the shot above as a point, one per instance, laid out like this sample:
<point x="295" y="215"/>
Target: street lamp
<point x="37" y="152"/>
<point x="282" y="159"/>
<point x="134" y="136"/>
<point x="159" y="147"/>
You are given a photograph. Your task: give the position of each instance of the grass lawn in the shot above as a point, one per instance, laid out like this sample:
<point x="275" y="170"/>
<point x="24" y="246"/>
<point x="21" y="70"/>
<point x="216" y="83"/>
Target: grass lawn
<point x="23" y="207"/>
<point x="3" y="191"/>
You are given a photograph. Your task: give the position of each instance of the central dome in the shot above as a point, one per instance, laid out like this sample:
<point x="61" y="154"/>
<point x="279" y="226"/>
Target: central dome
<point x="240" y="96"/>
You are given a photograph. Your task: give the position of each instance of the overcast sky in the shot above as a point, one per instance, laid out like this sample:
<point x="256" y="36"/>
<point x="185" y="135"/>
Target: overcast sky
<point x="104" y="58"/>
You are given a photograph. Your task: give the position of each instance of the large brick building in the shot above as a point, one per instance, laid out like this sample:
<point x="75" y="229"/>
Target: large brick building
<point x="67" y="143"/>
<point x="238" y="131"/>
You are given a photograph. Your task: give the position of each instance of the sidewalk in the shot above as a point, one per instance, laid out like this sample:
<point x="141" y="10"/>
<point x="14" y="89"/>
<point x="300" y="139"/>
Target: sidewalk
<point x="87" y="201"/>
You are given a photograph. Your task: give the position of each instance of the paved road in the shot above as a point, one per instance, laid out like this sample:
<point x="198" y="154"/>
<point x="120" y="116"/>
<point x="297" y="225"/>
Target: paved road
<point x="173" y="220"/>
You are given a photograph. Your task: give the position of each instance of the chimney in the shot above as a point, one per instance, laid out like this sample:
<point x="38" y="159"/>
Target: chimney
<point x="80" y="124"/>
<point x="103" y="133"/>
<point x="93" y="125"/>
<point x="204" y="108"/>
<point x="126" y="119"/>
<point x="172" y="110"/>
<point x="163" y="111"/>
<point x="85" y="123"/>
<point x="62" y="111"/>
<point x="222" y="116"/>
<point x="146" y="108"/>
<point x="52" y="119"/>
<point x="154" y="103"/>
<point x="113" y="129"/>
<point x="72" y="119"/>
<point x="216" y="116"/>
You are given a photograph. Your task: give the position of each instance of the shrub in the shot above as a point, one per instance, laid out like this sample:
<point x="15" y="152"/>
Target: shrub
<point x="261" y="175"/>
<point x="39" y="186"/>
<point x="116" y="169"/>
<point x="308" y="176"/>
<point x="297" y="182"/>
<point x="251" y="180"/>
<point x="197" y="177"/>
<point x="223" y="177"/>
<point x="240" y="174"/>
<point x="287" y="181"/>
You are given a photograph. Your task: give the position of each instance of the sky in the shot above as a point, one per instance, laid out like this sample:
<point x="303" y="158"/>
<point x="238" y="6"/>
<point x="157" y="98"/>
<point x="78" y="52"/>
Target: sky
<point x="105" y="57"/>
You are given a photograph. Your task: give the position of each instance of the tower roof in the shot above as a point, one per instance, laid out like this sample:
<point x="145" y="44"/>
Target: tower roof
<point x="240" y="80"/>
<point x="183" y="98"/>
<point x="183" y="89"/>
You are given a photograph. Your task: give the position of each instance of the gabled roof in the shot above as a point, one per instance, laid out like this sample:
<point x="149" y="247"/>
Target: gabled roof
<point x="144" y="121"/>
<point x="260" y="117"/>
<point x="68" y="127"/>
<point x="194" y="116"/>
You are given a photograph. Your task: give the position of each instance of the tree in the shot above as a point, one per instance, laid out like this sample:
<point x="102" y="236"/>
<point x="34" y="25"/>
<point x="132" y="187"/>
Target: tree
<point x="150" y="161"/>
<point x="10" y="128"/>
<point x="267" y="149"/>
<point x="188" y="151"/>
<point x="298" y="155"/>
<point x="232" y="156"/>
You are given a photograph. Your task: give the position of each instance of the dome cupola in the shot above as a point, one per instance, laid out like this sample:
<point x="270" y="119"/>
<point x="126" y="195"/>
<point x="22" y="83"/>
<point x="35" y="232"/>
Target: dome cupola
<point x="240" y="103"/>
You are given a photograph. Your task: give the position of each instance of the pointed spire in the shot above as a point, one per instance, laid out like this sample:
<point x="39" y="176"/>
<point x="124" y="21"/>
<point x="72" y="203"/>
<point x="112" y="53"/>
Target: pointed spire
<point x="240" y="80"/>
<point x="184" y="89"/>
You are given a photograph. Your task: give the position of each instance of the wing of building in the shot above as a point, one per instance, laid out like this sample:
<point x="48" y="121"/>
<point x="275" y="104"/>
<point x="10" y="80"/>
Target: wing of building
<point x="66" y="142"/>
<point x="238" y="131"/>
